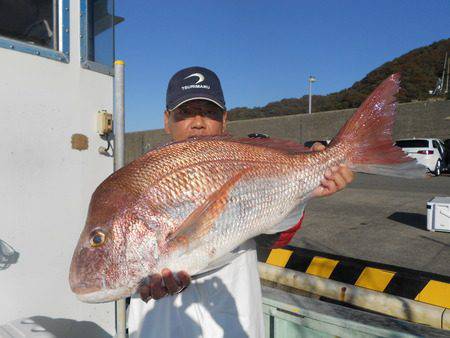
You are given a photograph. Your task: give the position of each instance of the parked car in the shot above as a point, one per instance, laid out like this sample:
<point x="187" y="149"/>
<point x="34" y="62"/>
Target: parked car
<point x="258" y="135"/>
<point x="447" y="155"/>
<point x="427" y="151"/>
<point x="310" y="143"/>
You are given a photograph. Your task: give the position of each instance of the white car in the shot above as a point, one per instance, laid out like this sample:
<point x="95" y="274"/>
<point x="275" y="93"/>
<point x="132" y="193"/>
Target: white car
<point x="310" y="143"/>
<point x="427" y="151"/>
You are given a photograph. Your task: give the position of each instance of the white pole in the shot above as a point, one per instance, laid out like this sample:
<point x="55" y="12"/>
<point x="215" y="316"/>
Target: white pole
<point x="119" y="115"/>
<point x="119" y="161"/>
<point x="311" y="79"/>
<point x="310" y="97"/>
<point x="443" y="74"/>
<point x="448" y="71"/>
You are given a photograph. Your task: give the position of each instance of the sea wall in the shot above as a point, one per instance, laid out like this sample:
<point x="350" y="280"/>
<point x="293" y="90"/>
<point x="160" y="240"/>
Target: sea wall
<point x="417" y="119"/>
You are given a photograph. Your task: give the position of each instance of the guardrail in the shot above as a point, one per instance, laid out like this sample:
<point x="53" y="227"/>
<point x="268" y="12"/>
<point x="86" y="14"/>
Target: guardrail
<point x="288" y="315"/>
<point x="394" y="306"/>
<point x="402" y="293"/>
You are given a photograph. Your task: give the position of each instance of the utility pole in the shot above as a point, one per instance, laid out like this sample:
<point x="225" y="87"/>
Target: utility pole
<point x="311" y="79"/>
<point x="446" y="91"/>
<point x="442" y="82"/>
<point x="444" y="70"/>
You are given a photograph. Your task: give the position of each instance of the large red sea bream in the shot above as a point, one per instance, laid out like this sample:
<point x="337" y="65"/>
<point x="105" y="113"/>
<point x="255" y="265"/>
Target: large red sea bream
<point x="186" y="204"/>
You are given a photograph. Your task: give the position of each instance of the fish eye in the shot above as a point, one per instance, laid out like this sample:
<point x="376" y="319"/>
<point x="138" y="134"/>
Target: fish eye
<point x="98" y="238"/>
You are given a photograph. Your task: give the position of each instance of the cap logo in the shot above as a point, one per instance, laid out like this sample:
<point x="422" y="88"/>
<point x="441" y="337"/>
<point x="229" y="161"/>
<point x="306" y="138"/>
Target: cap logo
<point x="200" y="77"/>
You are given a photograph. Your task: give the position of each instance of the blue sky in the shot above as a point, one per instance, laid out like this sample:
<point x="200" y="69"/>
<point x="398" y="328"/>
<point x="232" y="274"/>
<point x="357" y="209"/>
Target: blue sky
<point x="264" y="51"/>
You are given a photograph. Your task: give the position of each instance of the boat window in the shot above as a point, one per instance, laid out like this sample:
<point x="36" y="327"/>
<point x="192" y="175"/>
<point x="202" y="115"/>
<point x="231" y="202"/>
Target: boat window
<point x="29" y="21"/>
<point x="97" y="36"/>
<point x="35" y="26"/>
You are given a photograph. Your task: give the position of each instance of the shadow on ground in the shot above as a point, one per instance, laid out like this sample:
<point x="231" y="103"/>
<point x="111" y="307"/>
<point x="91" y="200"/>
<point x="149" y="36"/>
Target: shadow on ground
<point x="411" y="219"/>
<point x="69" y="328"/>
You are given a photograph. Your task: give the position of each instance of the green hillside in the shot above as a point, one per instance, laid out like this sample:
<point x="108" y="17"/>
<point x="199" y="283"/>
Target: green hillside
<point x="420" y="69"/>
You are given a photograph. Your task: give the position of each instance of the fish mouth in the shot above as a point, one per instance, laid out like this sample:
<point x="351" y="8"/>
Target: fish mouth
<point x="95" y="295"/>
<point x="99" y="294"/>
<point x="198" y="133"/>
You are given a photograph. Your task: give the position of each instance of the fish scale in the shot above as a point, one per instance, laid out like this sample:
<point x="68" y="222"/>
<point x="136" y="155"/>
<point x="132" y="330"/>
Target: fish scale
<point x="255" y="204"/>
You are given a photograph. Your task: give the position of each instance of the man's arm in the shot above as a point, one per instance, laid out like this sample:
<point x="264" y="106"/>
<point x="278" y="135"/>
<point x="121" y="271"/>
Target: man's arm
<point x="335" y="179"/>
<point x="279" y="239"/>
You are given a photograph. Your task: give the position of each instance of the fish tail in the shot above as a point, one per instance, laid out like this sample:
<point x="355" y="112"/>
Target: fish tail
<point x="367" y="136"/>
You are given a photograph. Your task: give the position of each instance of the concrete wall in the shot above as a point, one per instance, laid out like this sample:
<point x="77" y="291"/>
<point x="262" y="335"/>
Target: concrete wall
<point x="418" y="119"/>
<point x="46" y="185"/>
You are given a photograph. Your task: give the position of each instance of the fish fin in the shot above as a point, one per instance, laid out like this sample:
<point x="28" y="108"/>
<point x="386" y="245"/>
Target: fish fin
<point x="201" y="220"/>
<point x="368" y="134"/>
<point x="225" y="136"/>
<point x="287" y="146"/>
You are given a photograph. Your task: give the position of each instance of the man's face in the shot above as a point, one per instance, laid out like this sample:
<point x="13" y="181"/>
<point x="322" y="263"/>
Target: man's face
<point x="195" y="118"/>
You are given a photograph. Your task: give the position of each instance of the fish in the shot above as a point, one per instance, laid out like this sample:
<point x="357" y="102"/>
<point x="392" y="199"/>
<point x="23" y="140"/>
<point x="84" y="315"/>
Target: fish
<point x="185" y="205"/>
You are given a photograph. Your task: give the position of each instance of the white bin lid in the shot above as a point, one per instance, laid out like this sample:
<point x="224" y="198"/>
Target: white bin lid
<point x="439" y="200"/>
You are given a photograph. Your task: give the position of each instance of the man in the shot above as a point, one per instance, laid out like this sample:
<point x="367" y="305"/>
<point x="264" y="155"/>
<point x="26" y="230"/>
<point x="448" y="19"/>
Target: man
<point x="225" y="299"/>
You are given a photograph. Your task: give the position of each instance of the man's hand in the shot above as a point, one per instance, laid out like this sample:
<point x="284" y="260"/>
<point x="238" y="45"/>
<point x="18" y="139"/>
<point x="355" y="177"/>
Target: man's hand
<point x="335" y="179"/>
<point x="172" y="285"/>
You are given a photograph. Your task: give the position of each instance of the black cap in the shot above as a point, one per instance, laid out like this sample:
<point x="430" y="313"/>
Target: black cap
<point x="194" y="83"/>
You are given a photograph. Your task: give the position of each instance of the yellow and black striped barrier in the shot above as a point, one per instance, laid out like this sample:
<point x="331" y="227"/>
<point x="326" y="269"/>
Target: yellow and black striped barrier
<point x="412" y="284"/>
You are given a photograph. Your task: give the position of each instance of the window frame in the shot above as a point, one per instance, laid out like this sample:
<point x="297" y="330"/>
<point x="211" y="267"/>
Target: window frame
<point x="85" y="63"/>
<point x="411" y="144"/>
<point x="62" y="55"/>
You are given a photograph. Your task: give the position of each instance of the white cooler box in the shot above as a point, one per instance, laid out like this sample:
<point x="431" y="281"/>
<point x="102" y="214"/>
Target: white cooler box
<point x="438" y="214"/>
